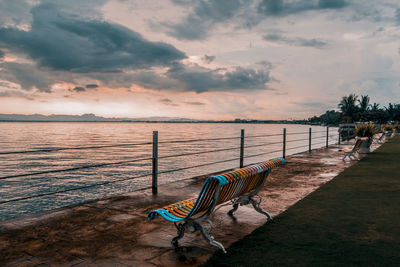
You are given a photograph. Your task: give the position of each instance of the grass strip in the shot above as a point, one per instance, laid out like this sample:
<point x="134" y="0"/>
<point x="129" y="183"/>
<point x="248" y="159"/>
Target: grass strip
<point x="353" y="220"/>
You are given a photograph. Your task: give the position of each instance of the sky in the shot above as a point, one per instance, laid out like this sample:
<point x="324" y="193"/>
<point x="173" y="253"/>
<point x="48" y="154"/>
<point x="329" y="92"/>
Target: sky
<point x="199" y="59"/>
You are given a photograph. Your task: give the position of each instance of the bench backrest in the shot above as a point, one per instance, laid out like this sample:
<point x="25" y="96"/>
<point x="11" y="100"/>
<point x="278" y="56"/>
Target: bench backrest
<point x="358" y="144"/>
<point x="221" y="188"/>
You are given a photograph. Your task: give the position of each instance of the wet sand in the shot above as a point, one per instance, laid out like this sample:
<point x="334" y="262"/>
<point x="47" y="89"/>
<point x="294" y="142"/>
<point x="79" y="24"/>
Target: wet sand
<point x="115" y="231"/>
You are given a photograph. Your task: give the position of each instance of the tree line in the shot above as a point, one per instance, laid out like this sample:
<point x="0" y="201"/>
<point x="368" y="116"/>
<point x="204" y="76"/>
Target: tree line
<point x="358" y="109"/>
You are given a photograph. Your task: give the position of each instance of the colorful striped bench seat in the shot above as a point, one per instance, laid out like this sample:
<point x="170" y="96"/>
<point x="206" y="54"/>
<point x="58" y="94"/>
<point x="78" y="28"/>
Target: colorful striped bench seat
<point x="236" y="187"/>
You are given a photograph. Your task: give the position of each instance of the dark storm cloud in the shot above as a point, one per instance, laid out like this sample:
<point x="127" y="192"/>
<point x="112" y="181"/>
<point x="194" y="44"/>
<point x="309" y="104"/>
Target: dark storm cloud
<point x="265" y="64"/>
<point x="168" y="102"/>
<point x="27" y="76"/>
<point x="152" y="80"/>
<point x="208" y="59"/>
<point x="79" y="89"/>
<point x="1" y="54"/>
<point x="193" y="78"/>
<point x="60" y="41"/>
<point x="205" y="14"/>
<point x="11" y="93"/>
<point x="91" y="86"/>
<point x="296" y="41"/>
<point x="334" y="4"/>
<point x="14" y="12"/>
<point x="398" y="17"/>
<point x="200" y="79"/>
<point x="285" y="7"/>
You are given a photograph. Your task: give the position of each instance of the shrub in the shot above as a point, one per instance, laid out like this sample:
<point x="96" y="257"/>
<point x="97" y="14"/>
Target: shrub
<point x="388" y="128"/>
<point x="365" y="130"/>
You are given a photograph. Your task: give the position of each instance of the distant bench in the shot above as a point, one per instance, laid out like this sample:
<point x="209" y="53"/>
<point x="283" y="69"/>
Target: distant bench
<point x="238" y="186"/>
<point x="351" y="152"/>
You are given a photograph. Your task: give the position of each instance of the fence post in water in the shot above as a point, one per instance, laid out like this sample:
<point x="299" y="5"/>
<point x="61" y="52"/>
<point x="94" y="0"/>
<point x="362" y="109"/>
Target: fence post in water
<point x="154" y="186"/>
<point x="309" y="140"/>
<point x="241" y="147"/>
<point x="327" y="134"/>
<point x="339" y="136"/>
<point x="284" y="143"/>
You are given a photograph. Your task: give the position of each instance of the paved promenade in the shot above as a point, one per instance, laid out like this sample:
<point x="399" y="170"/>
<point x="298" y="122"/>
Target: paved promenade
<point x="115" y="232"/>
<point x="351" y="221"/>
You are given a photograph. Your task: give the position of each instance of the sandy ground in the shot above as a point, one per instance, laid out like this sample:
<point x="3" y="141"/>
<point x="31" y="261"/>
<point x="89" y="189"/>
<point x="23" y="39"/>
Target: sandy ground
<point x="115" y="232"/>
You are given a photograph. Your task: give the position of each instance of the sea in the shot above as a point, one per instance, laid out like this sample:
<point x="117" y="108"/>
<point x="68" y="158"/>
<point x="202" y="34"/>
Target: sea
<point x="49" y="165"/>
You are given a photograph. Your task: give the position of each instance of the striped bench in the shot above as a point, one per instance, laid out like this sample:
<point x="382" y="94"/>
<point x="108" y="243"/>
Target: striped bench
<point x="236" y="187"/>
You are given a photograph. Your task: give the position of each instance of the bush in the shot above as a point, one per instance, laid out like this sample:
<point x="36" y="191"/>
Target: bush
<point x="365" y="130"/>
<point x="387" y="128"/>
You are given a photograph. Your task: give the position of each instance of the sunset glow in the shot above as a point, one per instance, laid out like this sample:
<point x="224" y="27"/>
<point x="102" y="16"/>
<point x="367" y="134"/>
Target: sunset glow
<point x="196" y="59"/>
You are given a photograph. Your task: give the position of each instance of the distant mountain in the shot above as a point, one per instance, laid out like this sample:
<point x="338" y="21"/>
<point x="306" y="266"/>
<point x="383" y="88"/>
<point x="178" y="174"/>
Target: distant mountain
<point x="85" y="117"/>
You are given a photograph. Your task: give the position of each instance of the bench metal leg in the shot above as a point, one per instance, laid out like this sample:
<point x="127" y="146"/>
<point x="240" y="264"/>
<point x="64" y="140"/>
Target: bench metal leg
<point x="193" y="226"/>
<point x="257" y="207"/>
<point x="235" y="207"/>
<point x="206" y="234"/>
<point x="181" y="227"/>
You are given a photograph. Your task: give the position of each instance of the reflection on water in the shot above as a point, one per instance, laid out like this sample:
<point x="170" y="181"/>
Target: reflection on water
<point x="15" y="136"/>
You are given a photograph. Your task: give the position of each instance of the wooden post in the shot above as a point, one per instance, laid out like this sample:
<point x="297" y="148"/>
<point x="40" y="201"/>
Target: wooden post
<point x="284" y="143"/>
<point x="327" y="137"/>
<point x="339" y="136"/>
<point x="241" y="148"/>
<point x="309" y="140"/>
<point x="154" y="186"/>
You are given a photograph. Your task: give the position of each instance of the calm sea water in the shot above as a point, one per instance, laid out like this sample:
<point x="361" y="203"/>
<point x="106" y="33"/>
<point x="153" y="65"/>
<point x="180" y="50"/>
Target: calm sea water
<point x="16" y="136"/>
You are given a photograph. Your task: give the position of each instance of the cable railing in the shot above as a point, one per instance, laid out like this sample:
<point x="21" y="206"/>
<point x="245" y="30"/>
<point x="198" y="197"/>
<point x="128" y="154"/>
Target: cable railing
<point x="72" y="189"/>
<point x="72" y="148"/>
<point x="264" y="135"/>
<point x="197" y="140"/>
<point x="272" y="145"/>
<point x="74" y="168"/>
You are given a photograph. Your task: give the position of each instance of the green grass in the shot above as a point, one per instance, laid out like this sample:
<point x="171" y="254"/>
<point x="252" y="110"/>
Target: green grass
<point x="354" y="220"/>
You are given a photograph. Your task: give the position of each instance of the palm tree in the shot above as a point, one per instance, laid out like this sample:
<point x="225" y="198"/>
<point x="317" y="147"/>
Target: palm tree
<point x="375" y="107"/>
<point x="390" y="111"/>
<point x="377" y="114"/>
<point x="397" y="113"/>
<point x="348" y="107"/>
<point x="363" y="105"/>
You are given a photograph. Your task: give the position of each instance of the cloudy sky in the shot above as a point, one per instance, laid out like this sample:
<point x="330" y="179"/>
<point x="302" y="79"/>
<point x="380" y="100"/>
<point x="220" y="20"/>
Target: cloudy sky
<point x="202" y="59"/>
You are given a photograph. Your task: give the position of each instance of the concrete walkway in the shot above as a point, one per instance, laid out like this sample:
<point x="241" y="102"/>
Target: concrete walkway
<point x="115" y="232"/>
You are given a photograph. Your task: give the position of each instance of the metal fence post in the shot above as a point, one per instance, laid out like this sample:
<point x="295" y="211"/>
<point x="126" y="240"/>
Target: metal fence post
<point x="309" y="140"/>
<point x="327" y="137"/>
<point x="284" y="143"/>
<point x="241" y="147"/>
<point x="154" y="186"/>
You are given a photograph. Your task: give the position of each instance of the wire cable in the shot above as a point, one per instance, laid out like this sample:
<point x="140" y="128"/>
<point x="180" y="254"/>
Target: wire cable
<point x="296" y="133"/>
<point x="71" y="148"/>
<point x="264" y="144"/>
<point x="266" y="135"/>
<point x="196" y="140"/>
<point x="198" y="153"/>
<point x="296" y="140"/>
<point x="270" y="152"/>
<point x="74" y="168"/>
<point x="296" y="147"/>
<point x="200" y="165"/>
<point x="72" y="189"/>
